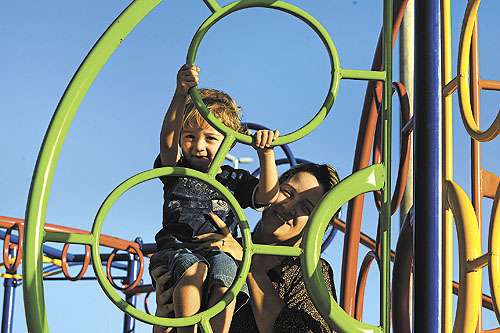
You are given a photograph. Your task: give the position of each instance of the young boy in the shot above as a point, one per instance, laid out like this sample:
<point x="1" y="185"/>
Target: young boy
<point x="188" y="276"/>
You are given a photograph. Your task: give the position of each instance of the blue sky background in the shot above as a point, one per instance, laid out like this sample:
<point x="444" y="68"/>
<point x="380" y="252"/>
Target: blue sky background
<point x="272" y="64"/>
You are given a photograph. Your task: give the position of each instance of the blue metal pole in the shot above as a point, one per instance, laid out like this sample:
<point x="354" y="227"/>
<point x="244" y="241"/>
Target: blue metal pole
<point x="132" y="273"/>
<point x="9" y="297"/>
<point x="428" y="168"/>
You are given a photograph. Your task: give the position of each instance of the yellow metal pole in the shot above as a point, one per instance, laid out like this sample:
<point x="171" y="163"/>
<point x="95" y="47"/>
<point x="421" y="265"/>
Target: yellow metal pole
<point x="447" y="292"/>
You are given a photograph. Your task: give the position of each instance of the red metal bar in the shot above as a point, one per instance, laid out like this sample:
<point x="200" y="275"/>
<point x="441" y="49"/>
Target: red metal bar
<point x="361" y="160"/>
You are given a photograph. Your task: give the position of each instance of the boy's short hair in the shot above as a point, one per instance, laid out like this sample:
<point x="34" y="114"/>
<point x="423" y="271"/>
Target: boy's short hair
<point x="220" y="104"/>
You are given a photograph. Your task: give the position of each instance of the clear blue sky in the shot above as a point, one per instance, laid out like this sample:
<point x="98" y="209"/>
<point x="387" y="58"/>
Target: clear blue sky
<point x="271" y="63"/>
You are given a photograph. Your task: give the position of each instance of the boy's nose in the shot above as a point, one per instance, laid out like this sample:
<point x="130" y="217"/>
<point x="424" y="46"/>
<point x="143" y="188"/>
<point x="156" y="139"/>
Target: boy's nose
<point x="199" y="145"/>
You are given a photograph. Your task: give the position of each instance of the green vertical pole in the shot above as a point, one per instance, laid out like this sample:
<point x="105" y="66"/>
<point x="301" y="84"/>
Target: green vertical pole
<point x="385" y="220"/>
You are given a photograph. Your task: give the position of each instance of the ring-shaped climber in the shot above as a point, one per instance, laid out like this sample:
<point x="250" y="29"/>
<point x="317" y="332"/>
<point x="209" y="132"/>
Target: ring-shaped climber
<point x="470" y="123"/>
<point x="302" y="15"/>
<point x="201" y="317"/>
<point x="369" y="179"/>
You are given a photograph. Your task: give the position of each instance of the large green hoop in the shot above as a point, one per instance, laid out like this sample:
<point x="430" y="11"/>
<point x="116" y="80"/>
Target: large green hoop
<point x="302" y="15"/>
<point x="362" y="181"/>
<point x="200" y="317"/>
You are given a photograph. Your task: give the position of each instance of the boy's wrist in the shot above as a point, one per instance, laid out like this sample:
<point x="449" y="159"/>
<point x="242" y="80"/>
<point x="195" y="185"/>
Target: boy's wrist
<point x="265" y="152"/>
<point x="179" y="92"/>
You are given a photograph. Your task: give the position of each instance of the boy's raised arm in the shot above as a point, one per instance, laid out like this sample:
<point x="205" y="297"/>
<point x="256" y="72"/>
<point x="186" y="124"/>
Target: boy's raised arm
<point x="268" y="188"/>
<point x="187" y="77"/>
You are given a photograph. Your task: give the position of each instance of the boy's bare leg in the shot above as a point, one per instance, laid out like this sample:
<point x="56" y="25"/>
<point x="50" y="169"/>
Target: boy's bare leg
<point x="222" y="322"/>
<point x="187" y="294"/>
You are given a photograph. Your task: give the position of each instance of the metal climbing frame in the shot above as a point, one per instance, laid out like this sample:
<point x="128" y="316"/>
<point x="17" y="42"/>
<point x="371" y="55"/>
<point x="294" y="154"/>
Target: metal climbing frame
<point x="365" y="180"/>
<point x="457" y="205"/>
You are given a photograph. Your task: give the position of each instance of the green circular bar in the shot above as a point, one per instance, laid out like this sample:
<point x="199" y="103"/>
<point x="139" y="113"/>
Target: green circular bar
<point x="365" y="180"/>
<point x="111" y="292"/>
<point x="302" y="15"/>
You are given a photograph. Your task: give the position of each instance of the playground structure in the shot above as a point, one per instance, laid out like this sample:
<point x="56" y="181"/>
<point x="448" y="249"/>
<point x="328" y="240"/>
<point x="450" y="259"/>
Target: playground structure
<point x="347" y="316"/>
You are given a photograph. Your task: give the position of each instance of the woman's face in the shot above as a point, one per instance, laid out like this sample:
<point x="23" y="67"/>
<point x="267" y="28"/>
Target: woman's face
<point x="284" y="221"/>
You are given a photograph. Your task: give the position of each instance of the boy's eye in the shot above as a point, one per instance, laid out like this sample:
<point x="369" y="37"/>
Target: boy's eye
<point x="212" y="138"/>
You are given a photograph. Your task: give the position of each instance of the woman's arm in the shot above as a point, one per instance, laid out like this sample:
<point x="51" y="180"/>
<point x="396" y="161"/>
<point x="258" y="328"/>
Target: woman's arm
<point x="265" y="301"/>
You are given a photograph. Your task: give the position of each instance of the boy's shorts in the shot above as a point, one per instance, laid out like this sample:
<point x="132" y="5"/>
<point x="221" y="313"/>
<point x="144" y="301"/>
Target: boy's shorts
<point x="167" y="266"/>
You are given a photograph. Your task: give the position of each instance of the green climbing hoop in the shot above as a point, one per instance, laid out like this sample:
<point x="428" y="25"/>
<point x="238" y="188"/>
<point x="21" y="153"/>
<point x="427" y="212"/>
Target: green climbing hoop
<point x="200" y="317"/>
<point x="362" y="181"/>
<point x="302" y="15"/>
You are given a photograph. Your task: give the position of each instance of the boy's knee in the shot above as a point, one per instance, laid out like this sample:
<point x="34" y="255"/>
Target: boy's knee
<point x="196" y="270"/>
<point x="218" y="290"/>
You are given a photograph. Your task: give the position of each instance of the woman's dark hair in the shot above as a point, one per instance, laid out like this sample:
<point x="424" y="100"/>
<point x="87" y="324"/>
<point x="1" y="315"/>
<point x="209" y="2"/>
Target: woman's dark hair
<point x="325" y="174"/>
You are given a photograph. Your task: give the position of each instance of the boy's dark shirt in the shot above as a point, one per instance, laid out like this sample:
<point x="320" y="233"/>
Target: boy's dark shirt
<point x="187" y="201"/>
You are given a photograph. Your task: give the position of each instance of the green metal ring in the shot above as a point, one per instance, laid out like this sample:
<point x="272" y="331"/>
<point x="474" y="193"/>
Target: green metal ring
<point x="131" y="310"/>
<point x="302" y="15"/>
<point x="365" y="180"/>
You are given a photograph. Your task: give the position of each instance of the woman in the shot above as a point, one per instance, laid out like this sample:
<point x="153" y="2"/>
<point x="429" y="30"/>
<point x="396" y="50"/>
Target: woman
<point x="278" y="298"/>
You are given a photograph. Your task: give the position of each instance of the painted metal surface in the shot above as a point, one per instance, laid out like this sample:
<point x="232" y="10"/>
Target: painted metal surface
<point x="449" y="85"/>
<point x="469" y="122"/>
<point x="369" y="179"/>
<point x="494" y="258"/>
<point x="469" y="294"/>
<point x="366" y="133"/>
<point x="34" y="301"/>
<point x="428" y="152"/>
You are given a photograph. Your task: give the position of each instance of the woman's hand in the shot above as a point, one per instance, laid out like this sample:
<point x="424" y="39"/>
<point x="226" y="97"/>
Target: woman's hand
<point x="223" y="241"/>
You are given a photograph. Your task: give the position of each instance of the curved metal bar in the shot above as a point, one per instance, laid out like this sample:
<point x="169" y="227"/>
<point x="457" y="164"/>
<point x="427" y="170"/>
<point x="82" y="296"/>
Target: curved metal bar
<point x="34" y="303"/>
<point x="362" y="160"/>
<point x="463" y="73"/>
<point x="361" y="285"/>
<point x="469" y="294"/>
<point x="404" y="153"/>
<point x="12" y="268"/>
<point x="494" y="257"/>
<point x="64" y="260"/>
<point x="221" y="154"/>
<point x="146" y="307"/>
<point x="286" y="148"/>
<point x="132" y="285"/>
<point x="369" y="179"/>
<point x="128" y="308"/>
<point x="213" y="5"/>
<point x="303" y="16"/>
<point x="402" y="287"/>
<point x="329" y="239"/>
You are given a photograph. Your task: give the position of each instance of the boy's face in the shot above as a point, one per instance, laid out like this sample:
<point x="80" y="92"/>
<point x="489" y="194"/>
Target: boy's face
<point x="200" y="144"/>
